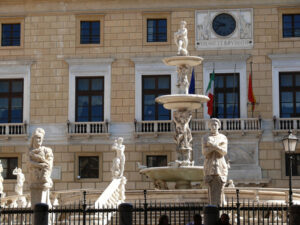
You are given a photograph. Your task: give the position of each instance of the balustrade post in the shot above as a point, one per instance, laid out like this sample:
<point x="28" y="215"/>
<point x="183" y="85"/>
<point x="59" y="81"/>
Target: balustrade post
<point x="125" y="214"/>
<point x="7" y="129"/>
<point x="88" y="128"/>
<point x="243" y="123"/>
<point x="155" y="126"/>
<point x="294" y="124"/>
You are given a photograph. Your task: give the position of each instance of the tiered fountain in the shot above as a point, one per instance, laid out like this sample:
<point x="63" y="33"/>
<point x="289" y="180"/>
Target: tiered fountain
<point x="182" y="171"/>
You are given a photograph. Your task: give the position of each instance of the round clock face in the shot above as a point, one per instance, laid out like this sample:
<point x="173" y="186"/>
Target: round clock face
<point x="224" y="24"/>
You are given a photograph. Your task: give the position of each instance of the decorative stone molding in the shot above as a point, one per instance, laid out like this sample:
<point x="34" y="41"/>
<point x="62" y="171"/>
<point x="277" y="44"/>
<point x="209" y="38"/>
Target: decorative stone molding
<point x="240" y="38"/>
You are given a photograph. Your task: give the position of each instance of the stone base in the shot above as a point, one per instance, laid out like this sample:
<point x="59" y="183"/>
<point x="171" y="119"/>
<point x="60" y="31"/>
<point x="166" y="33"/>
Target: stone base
<point x="183" y="184"/>
<point x="39" y="195"/>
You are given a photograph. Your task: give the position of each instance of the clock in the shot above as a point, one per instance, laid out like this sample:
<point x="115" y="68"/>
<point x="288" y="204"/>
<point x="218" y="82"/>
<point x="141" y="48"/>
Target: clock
<point x="224" y="24"/>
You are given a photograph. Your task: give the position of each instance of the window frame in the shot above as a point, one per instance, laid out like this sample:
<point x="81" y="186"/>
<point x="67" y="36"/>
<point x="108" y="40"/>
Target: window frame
<point x="89" y="93"/>
<point x="156" y="15"/>
<point x="238" y="65"/>
<point x="292" y="89"/>
<point x="88" y="154"/>
<point x="89" y="18"/>
<point x="155" y="92"/>
<point x="151" y="155"/>
<point x="19" y="163"/>
<point x="225" y="92"/>
<point x="15" y="20"/>
<point x="10" y="95"/>
<point x="286" y="11"/>
<point x="98" y="67"/>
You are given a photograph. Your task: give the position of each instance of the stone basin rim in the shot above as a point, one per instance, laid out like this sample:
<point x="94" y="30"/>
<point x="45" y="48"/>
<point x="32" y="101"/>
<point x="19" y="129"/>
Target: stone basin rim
<point x="182" y="98"/>
<point x="183" y="60"/>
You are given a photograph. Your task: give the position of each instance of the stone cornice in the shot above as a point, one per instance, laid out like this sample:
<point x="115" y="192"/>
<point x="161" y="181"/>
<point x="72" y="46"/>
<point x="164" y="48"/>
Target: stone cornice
<point x="80" y="61"/>
<point x="214" y="58"/>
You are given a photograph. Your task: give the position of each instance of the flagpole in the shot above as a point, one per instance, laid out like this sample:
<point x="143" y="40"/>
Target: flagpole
<point x="215" y="96"/>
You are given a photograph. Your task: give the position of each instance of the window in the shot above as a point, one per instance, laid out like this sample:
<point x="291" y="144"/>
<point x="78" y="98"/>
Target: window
<point x="9" y="164"/>
<point x="291" y="25"/>
<point x="89" y="99"/>
<point x="156" y="30"/>
<point x="226" y="96"/>
<point x="289" y="88"/>
<point x="11" y="101"/>
<point x="88" y="167"/>
<point x="295" y="165"/>
<point x="156" y="160"/>
<point x="154" y="86"/>
<point x="89" y="32"/>
<point x="11" y="34"/>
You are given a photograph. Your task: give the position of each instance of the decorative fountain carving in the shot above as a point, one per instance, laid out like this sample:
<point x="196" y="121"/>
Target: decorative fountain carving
<point x="182" y="171"/>
<point x="1" y="180"/>
<point x="119" y="161"/>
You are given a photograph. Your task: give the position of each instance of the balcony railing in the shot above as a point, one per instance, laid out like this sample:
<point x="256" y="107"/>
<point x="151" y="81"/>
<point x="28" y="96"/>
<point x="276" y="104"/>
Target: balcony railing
<point x="13" y="129"/>
<point x="87" y="128"/>
<point x="199" y="125"/>
<point x="285" y="124"/>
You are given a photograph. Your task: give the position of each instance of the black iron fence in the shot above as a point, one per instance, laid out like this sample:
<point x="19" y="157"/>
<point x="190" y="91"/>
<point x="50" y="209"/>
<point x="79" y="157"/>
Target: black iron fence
<point x="148" y="213"/>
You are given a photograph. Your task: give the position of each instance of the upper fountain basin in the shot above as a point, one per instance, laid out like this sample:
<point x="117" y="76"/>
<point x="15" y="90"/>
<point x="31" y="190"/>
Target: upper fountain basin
<point x="183" y="60"/>
<point x="182" y="101"/>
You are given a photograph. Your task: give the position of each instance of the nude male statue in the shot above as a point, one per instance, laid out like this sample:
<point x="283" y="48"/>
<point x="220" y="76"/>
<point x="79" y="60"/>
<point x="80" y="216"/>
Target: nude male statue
<point x="214" y="148"/>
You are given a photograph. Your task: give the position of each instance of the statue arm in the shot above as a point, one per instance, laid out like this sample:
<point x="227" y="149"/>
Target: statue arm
<point x="221" y="147"/>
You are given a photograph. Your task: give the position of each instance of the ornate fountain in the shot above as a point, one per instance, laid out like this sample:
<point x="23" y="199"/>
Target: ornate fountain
<point x="182" y="171"/>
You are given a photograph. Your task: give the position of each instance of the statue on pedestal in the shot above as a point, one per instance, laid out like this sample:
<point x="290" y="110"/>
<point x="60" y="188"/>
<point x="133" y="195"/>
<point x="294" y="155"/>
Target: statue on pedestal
<point x="20" y="180"/>
<point x="181" y="40"/>
<point x="40" y="168"/>
<point x="214" y="148"/>
<point x="119" y="161"/>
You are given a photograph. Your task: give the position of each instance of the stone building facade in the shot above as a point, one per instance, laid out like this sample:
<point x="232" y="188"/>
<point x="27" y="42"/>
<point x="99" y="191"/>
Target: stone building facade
<point x="51" y="58"/>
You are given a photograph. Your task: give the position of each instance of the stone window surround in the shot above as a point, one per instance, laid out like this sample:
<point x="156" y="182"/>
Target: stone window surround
<point x="156" y="15"/>
<point x="19" y="69"/>
<point x="150" y="66"/>
<point x="11" y="20"/>
<point x="93" y="17"/>
<point x="281" y="63"/>
<point x="280" y="13"/>
<point x="227" y="64"/>
<point x="98" y="67"/>
<point x="12" y="155"/>
<point x="82" y="180"/>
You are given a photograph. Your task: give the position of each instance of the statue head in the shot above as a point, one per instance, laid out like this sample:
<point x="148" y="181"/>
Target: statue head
<point x="214" y="125"/>
<point x="120" y="140"/>
<point x="182" y="24"/>
<point x="37" y="138"/>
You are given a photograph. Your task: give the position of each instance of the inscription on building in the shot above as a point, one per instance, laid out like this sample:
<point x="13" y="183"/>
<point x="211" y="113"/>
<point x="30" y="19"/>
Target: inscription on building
<point x="207" y="37"/>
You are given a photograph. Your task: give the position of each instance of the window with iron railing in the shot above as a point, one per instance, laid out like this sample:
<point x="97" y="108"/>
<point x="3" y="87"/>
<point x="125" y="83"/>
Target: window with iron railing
<point x="11" y="34"/>
<point x="291" y="25"/>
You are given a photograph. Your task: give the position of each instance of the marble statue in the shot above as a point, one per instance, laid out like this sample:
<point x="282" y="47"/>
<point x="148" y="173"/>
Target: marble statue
<point x="1" y="179"/>
<point x="183" y="136"/>
<point x="119" y="161"/>
<point x="181" y="39"/>
<point x="20" y="180"/>
<point x="214" y="148"/>
<point x="182" y="81"/>
<point x="40" y="167"/>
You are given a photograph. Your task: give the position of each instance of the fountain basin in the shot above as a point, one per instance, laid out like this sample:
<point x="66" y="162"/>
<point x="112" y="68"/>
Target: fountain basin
<point x="182" y="101"/>
<point x="183" y="60"/>
<point x="183" y="176"/>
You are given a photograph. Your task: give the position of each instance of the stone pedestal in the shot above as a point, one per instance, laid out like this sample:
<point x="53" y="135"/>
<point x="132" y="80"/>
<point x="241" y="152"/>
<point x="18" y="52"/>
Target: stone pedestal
<point x="39" y="195"/>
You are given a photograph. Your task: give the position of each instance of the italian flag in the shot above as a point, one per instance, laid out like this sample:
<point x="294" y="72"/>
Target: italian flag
<point x="210" y="93"/>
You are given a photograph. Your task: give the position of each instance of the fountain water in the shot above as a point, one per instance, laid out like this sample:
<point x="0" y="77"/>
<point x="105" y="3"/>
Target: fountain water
<point x="182" y="171"/>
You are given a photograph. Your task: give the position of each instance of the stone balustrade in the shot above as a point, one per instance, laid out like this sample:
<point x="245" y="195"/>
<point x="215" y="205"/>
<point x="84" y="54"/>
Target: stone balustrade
<point x="199" y="125"/>
<point x="13" y="129"/>
<point x="285" y="124"/>
<point x="87" y="128"/>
